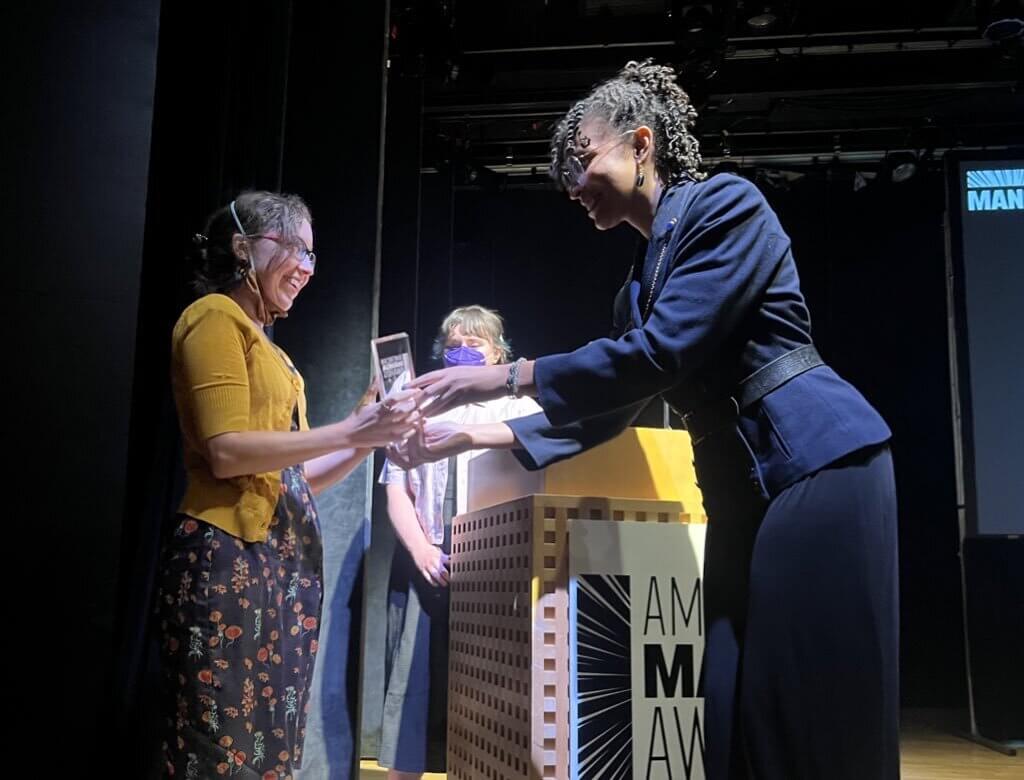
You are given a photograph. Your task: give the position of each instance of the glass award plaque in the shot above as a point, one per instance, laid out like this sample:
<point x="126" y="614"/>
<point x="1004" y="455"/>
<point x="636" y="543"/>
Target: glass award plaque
<point x="392" y="360"/>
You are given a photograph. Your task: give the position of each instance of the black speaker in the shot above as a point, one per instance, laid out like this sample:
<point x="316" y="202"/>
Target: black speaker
<point x="994" y="578"/>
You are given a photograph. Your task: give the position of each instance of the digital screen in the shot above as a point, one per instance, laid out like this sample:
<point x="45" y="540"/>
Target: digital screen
<point x="987" y="247"/>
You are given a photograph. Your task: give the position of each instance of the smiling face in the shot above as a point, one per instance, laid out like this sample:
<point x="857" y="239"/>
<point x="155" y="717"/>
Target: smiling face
<point x="283" y="267"/>
<point x="607" y="187"/>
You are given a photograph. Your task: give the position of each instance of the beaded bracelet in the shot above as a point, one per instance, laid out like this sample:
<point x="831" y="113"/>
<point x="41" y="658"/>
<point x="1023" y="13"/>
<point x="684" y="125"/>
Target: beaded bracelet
<point x="512" y="381"/>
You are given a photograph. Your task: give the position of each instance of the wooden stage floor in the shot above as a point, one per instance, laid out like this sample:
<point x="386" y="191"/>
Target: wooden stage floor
<point x="928" y="747"/>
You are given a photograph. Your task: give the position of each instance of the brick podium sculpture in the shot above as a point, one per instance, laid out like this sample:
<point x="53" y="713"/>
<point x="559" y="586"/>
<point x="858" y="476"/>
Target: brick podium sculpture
<point x="508" y="701"/>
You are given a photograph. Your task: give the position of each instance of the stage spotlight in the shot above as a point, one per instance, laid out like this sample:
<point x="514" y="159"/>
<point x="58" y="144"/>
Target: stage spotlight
<point x="1002" y="20"/>
<point x="902" y="166"/>
<point x="904" y="171"/>
<point x="764" y="21"/>
<point x="695" y="18"/>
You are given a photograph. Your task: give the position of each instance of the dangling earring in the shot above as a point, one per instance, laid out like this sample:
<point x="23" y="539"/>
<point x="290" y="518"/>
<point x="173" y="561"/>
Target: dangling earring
<point x="639" y="176"/>
<point x="249" y="276"/>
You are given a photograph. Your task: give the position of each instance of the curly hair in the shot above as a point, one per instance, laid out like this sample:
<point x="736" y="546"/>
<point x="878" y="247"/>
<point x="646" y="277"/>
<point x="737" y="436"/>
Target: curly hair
<point x="215" y="266"/>
<point x="641" y="94"/>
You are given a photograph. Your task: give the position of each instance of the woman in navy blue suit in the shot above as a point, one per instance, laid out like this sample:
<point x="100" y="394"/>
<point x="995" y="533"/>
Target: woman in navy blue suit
<point x="800" y="676"/>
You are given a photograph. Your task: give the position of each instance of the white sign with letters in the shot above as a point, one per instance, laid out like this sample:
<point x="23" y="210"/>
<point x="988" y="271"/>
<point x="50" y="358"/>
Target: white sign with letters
<point x="636" y="628"/>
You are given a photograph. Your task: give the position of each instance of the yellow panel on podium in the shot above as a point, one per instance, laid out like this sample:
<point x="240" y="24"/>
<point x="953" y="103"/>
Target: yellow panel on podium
<point x="640" y="463"/>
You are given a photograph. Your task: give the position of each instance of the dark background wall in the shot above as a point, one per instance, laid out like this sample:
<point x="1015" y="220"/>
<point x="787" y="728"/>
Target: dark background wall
<point x="79" y="93"/>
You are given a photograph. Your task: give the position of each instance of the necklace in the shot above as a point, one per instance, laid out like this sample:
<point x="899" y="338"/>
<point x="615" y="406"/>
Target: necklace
<point x="657" y="272"/>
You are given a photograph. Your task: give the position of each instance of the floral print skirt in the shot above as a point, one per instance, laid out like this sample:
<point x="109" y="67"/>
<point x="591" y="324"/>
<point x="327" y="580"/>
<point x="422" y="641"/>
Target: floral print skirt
<point x="239" y="624"/>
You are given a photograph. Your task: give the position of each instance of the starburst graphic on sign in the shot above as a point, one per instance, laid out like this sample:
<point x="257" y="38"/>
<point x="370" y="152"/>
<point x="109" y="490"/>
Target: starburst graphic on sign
<point x="1008" y="177"/>
<point x="603" y="677"/>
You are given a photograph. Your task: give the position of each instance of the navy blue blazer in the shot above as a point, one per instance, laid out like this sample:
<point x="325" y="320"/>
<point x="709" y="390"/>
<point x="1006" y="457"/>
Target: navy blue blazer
<point x="717" y="297"/>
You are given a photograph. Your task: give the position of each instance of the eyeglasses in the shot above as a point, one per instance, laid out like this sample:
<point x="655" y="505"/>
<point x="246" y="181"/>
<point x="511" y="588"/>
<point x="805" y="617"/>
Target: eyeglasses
<point x="575" y="167"/>
<point x="304" y="254"/>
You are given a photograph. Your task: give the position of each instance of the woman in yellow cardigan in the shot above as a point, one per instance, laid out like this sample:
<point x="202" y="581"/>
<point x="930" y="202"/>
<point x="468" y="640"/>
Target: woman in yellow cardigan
<point x="239" y="588"/>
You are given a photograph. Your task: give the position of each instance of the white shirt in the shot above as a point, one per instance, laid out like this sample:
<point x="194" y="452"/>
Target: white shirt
<point x="426" y="483"/>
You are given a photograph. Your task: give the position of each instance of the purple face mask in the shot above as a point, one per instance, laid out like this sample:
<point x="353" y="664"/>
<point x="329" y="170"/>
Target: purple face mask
<point x="464" y="356"/>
